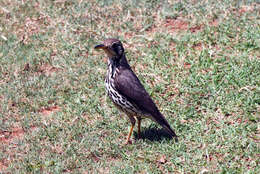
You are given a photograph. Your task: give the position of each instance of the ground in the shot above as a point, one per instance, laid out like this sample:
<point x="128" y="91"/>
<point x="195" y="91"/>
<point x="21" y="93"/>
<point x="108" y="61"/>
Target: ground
<point x="199" y="61"/>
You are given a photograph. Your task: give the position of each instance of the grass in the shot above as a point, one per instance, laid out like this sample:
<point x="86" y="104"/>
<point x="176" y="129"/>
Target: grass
<point x="199" y="60"/>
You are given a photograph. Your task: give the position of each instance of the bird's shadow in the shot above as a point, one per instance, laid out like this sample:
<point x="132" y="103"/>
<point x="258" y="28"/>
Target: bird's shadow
<point x="154" y="134"/>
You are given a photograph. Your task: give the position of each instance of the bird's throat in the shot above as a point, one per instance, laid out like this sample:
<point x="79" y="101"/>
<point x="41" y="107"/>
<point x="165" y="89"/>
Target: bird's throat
<point x="112" y="65"/>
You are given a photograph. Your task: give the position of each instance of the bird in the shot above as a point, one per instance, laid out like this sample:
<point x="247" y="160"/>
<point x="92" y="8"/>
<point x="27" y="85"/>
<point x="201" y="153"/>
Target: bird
<point x="127" y="92"/>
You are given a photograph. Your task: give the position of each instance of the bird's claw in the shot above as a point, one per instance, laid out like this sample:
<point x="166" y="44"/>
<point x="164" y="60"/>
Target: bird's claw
<point x="128" y="142"/>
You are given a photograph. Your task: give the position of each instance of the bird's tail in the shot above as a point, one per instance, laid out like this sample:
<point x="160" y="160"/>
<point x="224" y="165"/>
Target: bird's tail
<point x="163" y="122"/>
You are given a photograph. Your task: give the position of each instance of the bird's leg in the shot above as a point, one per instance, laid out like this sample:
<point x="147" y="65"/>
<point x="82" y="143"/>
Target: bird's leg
<point x="132" y="119"/>
<point x="139" y="126"/>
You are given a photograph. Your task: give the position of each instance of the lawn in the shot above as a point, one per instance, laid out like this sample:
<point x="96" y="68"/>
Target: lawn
<point x="199" y="61"/>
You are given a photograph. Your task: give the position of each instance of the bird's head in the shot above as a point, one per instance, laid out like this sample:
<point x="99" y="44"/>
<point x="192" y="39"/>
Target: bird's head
<point x="112" y="47"/>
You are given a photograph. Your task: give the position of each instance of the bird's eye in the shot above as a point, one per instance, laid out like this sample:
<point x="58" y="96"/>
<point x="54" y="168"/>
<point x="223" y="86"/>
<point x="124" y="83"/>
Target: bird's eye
<point x="114" y="46"/>
<point x="118" y="49"/>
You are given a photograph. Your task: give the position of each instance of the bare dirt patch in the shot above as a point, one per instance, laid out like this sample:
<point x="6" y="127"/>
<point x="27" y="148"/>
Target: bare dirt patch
<point x="7" y="136"/>
<point x="175" y="25"/>
<point x="196" y="28"/>
<point x="49" y="110"/>
<point x="6" y="139"/>
<point x="186" y="65"/>
<point x="170" y="25"/>
<point x="179" y="24"/>
<point x="14" y="133"/>
<point x="245" y="9"/>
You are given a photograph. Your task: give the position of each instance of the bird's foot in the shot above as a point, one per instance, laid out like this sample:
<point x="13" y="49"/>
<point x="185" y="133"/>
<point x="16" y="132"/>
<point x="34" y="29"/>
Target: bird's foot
<point x="128" y="142"/>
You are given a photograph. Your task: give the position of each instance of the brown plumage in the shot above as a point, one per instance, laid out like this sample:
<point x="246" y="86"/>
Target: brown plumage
<point x="126" y="91"/>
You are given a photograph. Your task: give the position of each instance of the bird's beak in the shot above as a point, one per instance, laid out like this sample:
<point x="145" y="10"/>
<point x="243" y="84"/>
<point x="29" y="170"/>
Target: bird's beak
<point x="101" y="46"/>
<point x="106" y="49"/>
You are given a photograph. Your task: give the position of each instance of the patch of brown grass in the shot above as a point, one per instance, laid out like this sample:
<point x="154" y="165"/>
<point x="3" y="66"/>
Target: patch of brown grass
<point x="31" y="26"/>
<point x="47" y="69"/>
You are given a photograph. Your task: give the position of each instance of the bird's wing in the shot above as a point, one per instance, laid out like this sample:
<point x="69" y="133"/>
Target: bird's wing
<point x="128" y="85"/>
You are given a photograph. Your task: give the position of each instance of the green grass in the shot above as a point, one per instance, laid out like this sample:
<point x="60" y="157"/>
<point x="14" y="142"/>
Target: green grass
<point x="199" y="60"/>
